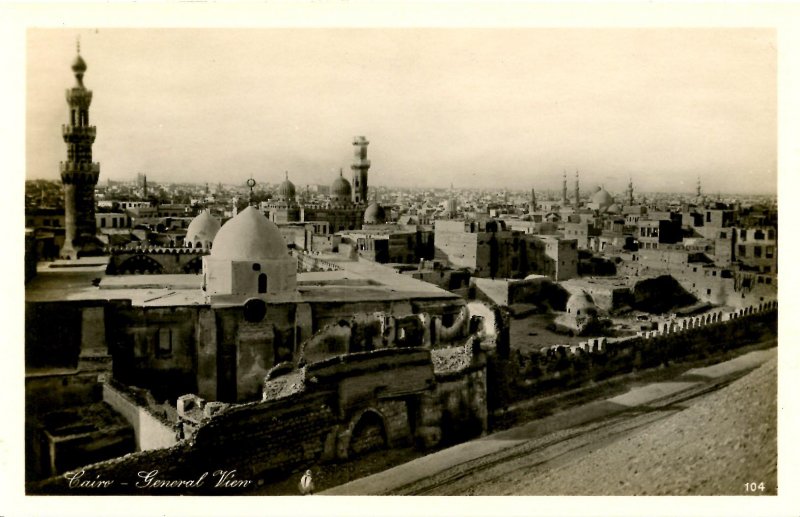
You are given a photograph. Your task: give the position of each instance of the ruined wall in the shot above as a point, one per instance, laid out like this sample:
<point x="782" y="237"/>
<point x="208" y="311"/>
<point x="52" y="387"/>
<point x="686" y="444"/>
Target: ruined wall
<point x="49" y="391"/>
<point x="151" y="432"/>
<point x="155" y="348"/>
<point x="52" y="334"/>
<point x="459" y="396"/>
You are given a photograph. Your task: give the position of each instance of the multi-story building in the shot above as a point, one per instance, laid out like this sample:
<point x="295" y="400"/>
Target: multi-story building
<point x="490" y="250"/>
<point x="757" y="249"/>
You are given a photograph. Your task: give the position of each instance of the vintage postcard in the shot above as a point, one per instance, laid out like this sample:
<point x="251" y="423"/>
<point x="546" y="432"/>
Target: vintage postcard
<point x="462" y="250"/>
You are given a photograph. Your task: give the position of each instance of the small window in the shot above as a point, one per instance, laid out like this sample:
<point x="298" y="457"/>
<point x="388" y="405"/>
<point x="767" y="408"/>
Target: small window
<point x="164" y="343"/>
<point x="757" y="251"/>
<point x="768" y="280"/>
<point x="256" y="267"/>
<point x="708" y="291"/>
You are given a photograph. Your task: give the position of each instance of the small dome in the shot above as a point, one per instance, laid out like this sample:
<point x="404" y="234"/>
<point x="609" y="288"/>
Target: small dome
<point x="286" y="189"/>
<point x="340" y="188"/>
<point x="602" y="199"/>
<point x="614" y="209"/>
<point x="79" y="65"/>
<point x="249" y="236"/>
<point x="581" y="302"/>
<point x="374" y="214"/>
<point x="203" y="229"/>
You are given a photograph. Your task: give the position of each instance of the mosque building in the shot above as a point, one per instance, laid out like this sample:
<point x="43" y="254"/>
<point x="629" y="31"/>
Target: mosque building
<point x="346" y="206"/>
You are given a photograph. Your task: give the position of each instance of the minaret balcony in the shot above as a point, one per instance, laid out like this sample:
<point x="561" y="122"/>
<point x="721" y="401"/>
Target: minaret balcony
<point x="361" y="164"/>
<point x="69" y="131"/>
<point x="72" y="172"/>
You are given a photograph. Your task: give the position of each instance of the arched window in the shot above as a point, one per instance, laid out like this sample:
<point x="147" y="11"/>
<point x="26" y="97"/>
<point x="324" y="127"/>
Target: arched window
<point x="189" y="244"/>
<point x="262" y="283"/>
<point x="198" y="244"/>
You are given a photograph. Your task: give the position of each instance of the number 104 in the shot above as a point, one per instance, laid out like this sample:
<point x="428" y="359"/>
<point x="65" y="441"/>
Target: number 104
<point x="754" y="487"/>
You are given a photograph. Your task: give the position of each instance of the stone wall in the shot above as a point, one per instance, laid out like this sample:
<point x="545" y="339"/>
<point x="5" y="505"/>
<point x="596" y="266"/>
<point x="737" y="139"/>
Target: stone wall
<point x="560" y="367"/>
<point x="151" y="431"/>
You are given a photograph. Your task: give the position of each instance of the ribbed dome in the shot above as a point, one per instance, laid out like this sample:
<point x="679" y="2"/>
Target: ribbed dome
<point x="79" y="65"/>
<point x="580" y="302"/>
<point x="286" y="189"/>
<point x="602" y="199"/>
<point x="248" y="236"/>
<point x="203" y="229"/>
<point x="340" y="187"/>
<point x="374" y="214"/>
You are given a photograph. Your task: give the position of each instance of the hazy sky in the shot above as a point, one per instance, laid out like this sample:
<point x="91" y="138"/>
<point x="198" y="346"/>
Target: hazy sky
<point x="483" y="108"/>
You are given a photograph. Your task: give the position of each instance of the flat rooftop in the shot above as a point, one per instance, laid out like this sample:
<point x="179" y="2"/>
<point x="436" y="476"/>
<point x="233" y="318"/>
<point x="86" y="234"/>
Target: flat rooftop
<point x="357" y="281"/>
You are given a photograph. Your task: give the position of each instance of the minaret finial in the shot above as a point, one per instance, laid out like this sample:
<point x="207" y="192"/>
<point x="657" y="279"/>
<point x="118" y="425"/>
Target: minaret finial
<point x="287" y="174"/>
<point x="251" y="183"/>
<point x="78" y="43"/>
<point x="340" y="172"/>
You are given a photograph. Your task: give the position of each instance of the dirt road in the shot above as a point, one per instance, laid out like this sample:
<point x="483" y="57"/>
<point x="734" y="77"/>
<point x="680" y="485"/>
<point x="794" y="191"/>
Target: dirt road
<point x="712" y="430"/>
<point x="718" y="443"/>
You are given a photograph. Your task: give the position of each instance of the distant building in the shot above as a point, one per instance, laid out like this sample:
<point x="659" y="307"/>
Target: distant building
<point x="490" y="250"/>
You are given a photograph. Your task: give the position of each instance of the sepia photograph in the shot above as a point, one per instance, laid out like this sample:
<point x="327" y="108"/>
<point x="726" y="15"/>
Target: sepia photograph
<point x="404" y="260"/>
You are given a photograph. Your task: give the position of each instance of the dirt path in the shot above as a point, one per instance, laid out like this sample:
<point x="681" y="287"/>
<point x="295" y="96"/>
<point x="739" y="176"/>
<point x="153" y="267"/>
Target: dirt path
<point x="712" y="444"/>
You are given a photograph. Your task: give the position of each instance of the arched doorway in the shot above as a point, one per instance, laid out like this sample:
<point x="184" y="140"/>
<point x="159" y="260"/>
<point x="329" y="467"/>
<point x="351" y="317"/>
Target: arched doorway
<point x="262" y="283"/>
<point x="369" y="434"/>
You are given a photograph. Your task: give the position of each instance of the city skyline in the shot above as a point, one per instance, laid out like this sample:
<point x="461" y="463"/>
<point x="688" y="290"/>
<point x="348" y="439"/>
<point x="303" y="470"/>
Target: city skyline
<point x="475" y="107"/>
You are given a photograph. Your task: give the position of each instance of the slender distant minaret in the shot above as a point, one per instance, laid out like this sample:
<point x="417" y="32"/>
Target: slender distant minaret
<point x="564" y="198"/>
<point x="577" y="190"/>
<point x="699" y="188"/>
<point x="630" y="192"/>
<point x="360" y="168"/>
<point x="79" y="173"/>
<point x="533" y="206"/>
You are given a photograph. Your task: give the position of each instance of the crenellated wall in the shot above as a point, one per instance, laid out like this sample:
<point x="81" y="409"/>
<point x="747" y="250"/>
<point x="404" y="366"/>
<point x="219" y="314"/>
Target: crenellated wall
<point x="560" y="367"/>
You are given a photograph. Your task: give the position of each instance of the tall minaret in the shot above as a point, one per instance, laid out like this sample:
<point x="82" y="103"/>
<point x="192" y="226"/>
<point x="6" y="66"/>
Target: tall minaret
<point x="630" y="192"/>
<point x="699" y="189"/>
<point x="564" y="198"/>
<point x="577" y="190"/>
<point x="360" y="167"/>
<point x="533" y="201"/>
<point x="78" y="174"/>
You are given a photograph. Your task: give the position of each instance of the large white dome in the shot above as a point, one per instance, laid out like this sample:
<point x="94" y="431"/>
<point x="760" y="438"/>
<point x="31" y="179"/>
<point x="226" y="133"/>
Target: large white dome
<point x="248" y="236"/>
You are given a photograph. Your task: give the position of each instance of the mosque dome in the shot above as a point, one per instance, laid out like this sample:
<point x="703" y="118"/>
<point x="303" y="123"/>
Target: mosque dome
<point x="602" y="199"/>
<point x="79" y="65"/>
<point x="340" y="187"/>
<point x="249" y="236"/>
<point x="286" y="189"/>
<point x="581" y="304"/>
<point x="202" y="230"/>
<point x="374" y="214"/>
<point x="614" y="209"/>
